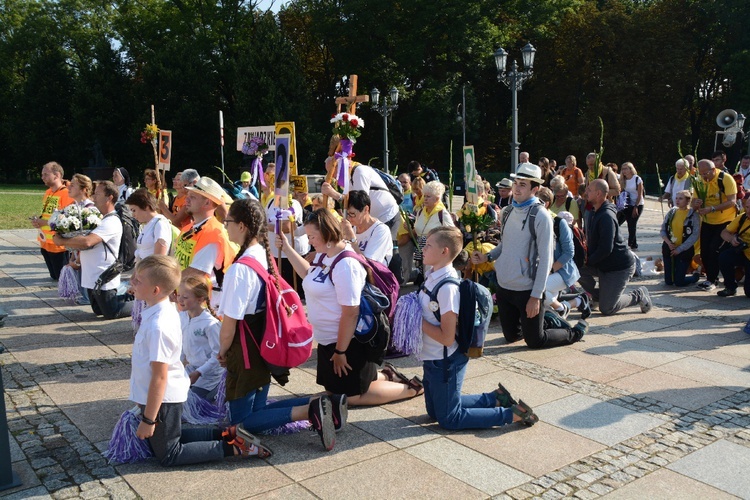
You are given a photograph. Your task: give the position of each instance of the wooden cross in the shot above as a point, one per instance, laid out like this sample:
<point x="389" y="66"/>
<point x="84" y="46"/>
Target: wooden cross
<point x="352" y="99"/>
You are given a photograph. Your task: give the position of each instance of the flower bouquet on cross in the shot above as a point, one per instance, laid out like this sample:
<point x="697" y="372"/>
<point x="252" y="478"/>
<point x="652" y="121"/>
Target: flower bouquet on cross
<point x="75" y="220"/>
<point x="256" y="147"/>
<point x="346" y="126"/>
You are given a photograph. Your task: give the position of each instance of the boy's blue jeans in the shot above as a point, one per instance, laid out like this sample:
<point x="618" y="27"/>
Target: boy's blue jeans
<point x="442" y="396"/>
<point x="256" y="415"/>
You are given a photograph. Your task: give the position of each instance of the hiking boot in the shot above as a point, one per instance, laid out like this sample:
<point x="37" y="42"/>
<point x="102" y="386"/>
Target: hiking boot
<point x="645" y="299"/>
<point x="340" y="411"/>
<point x="727" y="292"/>
<point x="581" y="329"/>
<point x="585" y="306"/>
<point x="320" y="415"/>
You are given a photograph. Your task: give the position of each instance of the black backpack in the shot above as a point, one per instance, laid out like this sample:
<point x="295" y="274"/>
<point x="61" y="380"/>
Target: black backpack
<point x="391" y="183"/>
<point x="475" y="313"/>
<point x="125" y="260"/>
<point x="131" y="229"/>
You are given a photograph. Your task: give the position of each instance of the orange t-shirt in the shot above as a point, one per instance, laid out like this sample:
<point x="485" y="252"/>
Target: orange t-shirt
<point x="571" y="176"/>
<point x="52" y="200"/>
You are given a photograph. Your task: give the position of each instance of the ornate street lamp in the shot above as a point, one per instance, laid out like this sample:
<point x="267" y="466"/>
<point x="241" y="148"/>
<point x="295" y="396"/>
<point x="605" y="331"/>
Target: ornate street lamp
<point x="385" y="108"/>
<point x="514" y="80"/>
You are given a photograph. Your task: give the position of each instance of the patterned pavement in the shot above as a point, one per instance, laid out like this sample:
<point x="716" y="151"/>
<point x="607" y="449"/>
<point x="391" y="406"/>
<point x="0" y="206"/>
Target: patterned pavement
<point x="650" y="405"/>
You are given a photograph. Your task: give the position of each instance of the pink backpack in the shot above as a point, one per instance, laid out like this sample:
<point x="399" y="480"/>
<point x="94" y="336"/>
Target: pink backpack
<point x="287" y="341"/>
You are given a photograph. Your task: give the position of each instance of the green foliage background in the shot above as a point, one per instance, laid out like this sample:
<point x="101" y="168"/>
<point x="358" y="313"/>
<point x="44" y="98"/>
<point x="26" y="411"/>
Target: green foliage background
<point x="80" y="73"/>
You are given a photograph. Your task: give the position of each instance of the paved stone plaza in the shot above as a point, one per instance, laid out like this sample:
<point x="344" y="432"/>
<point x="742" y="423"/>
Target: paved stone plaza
<point x="650" y="405"/>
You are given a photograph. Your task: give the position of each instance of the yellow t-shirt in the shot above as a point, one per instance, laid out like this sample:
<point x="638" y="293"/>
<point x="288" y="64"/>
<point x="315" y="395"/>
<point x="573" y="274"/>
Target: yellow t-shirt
<point x="714" y="197"/>
<point x="678" y="223"/>
<point x="556" y="209"/>
<point x="485" y="267"/>
<point x="734" y="227"/>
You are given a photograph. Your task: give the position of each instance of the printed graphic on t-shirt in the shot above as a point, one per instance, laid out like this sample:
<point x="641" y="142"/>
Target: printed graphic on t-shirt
<point x="184" y="252"/>
<point x="322" y="274"/>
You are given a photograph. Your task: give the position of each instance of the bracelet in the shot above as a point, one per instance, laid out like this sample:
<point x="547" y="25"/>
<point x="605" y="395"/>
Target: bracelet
<point x="147" y="420"/>
<point x="336" y="351"/>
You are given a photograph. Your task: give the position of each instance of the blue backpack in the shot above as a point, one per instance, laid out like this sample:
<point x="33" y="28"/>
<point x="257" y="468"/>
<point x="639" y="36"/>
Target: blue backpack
<point x="475" y="313"/>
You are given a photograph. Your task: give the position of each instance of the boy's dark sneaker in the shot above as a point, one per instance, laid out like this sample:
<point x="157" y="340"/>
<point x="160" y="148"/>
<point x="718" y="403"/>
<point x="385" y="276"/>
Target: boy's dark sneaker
<point x="585" y="306"/>
<point x="321" y="419"/>
<point x="727" y="292"/>
<point x="340" y="410"/>
<point x="579" y="331"/>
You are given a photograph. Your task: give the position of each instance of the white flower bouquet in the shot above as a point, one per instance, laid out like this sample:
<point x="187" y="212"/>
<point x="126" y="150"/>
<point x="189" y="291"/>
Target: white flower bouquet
<point x="75" y="220"/>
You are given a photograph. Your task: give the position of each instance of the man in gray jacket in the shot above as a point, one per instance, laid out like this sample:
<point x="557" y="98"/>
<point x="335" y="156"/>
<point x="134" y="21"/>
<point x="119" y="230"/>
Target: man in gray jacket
<point x="523" y="260"/>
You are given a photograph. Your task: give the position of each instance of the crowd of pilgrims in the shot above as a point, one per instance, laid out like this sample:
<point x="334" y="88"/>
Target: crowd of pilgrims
<point x="565" y="223"/>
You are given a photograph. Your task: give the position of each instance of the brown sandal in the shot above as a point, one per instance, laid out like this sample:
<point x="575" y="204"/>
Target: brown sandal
<point x="415" y="383"/>
<point x="394" y="375"/>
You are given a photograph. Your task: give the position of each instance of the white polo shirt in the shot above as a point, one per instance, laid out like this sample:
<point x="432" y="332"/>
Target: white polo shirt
<point x="95" y="260"/>
<point x="159" y="339"/>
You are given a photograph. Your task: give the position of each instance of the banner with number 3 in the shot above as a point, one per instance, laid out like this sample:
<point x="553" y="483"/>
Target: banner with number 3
<point x="165" y="149"/>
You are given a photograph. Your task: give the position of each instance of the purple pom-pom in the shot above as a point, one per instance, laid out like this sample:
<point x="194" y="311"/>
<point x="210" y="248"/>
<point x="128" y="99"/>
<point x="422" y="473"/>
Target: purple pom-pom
<point x="124" y="445"/>
<point x="67" y="285"/>
<point x="407" y="324"/>
<point x="197" y="410"/>
<point x="135" y="314"/>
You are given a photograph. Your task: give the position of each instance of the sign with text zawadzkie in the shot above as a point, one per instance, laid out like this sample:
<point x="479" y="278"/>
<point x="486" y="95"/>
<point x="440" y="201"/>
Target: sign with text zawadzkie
<point x="265" y="132"/>
<point x="287" y="128"/>
<point x="470" y="174"/>
<point x="165" y="149"/>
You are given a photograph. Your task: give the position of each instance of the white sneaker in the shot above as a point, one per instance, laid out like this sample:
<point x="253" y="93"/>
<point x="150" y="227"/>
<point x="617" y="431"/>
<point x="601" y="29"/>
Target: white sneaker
<point x="566" y="310"/>
<point x="706" y="285"/>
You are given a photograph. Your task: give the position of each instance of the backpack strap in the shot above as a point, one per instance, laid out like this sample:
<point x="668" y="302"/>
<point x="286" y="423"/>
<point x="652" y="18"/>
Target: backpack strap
<point x="556" y="226"/>
<point x="345" y="254"/>
<point x="568" y="202"/>
<point x="433" y="294"/>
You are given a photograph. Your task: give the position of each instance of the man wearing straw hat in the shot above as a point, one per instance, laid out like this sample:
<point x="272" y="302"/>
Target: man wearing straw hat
<point x="203" y="248"/>
<point x="522" y="266"/>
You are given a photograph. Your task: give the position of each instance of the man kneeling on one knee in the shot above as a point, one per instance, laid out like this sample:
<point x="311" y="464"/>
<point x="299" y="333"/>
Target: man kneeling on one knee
<point x="608" y="258"/>
<point x="523" y="260"/>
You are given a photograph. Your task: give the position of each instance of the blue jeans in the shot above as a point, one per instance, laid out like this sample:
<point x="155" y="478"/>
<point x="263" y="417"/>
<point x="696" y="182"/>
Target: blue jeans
<point x="257" y="416"/>
<point x="446" y="404"/>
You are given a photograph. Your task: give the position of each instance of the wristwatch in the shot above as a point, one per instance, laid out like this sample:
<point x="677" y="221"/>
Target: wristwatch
<point x="354" y="239"/>
<point x="336" y="351"/>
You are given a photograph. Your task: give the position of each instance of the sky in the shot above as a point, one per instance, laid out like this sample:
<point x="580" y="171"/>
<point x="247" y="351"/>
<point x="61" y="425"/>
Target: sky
<point x="277" y="4"/>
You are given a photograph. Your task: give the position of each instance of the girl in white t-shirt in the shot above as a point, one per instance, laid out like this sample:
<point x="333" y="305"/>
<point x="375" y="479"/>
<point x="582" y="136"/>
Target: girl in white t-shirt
<point x="444" y="365"/>
<point x="372" y="238"/>
<point x="333" y="310"/>
<point x="155" y="237"/>
<point x="200" y="337"/>
<point x="244" y="301"/>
